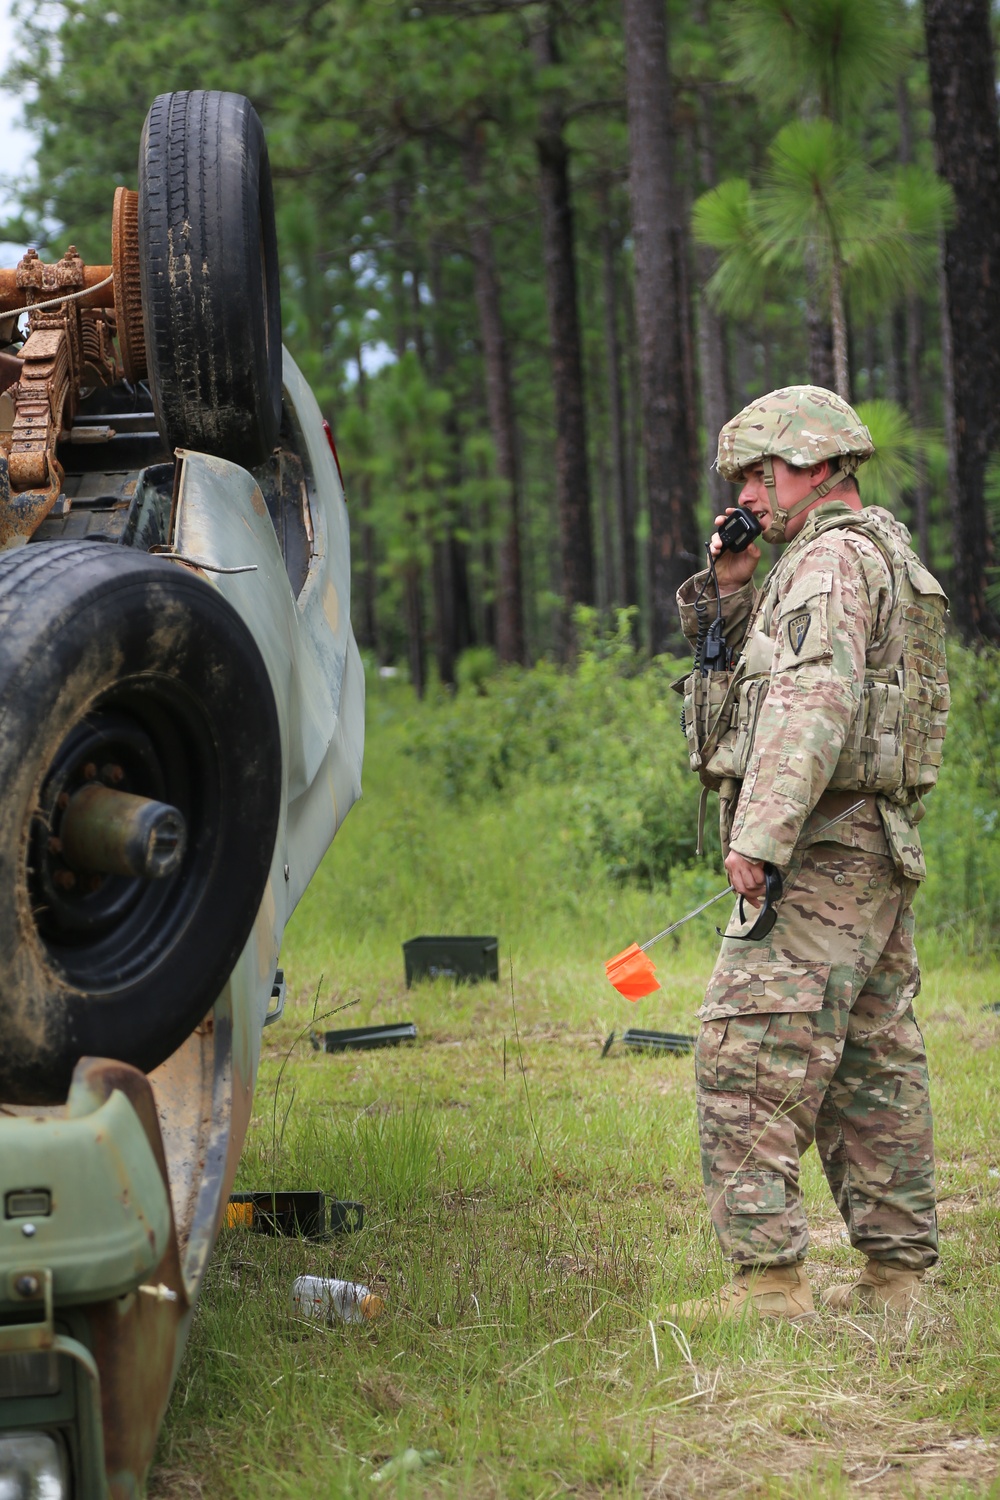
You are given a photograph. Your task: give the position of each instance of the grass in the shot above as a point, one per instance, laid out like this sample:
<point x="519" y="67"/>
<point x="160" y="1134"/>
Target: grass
<point x="532" y="1207"/>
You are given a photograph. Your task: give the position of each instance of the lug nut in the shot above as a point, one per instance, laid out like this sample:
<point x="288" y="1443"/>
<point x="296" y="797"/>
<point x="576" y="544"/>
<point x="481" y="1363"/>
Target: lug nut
<point x="27" y="1286"/>
<point x="64" y="879"/>
<point x="89" y="771"/>
<point x="55" y="845"/>
<point x="62" y="801"/>
<point x="112" y="775"/>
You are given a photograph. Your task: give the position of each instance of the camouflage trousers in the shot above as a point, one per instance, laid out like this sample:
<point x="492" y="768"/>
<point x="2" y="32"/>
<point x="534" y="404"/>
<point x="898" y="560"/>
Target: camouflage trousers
<point x="810" y="1036"/>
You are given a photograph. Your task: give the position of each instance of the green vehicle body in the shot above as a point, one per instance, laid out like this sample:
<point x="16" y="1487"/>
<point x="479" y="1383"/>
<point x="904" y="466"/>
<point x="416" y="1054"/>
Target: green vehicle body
<point x="110" y="1205"/>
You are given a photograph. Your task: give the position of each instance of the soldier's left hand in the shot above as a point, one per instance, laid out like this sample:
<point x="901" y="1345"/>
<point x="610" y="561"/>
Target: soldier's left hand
<point x="746" y="876"/>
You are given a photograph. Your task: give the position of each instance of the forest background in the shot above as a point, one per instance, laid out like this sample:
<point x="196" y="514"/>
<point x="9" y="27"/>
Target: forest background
<point x="535" y="254"/>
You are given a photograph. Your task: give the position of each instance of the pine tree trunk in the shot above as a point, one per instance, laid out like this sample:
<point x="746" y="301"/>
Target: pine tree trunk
<point x="572" y="476"/>
<point x="500" y="407"/>
<point x="967" y="141"/>
<point x="947" y="383"/>
<point x="368" y="635"/>
<point x="633" y="563"/>
<point x="413" y="609"/>
<point x="821" y="366"/>
<point x="910" y="338"/>
<point x="444" y="612"/>
<point x="660" y="287"/>
<point x="921" y="492"/>
<point x="451" y="567"/>
<point x="716" y="401"/>
<point x="398" y="207"/>
<point x="624" y="563"/>
<point x="838" y="322"/>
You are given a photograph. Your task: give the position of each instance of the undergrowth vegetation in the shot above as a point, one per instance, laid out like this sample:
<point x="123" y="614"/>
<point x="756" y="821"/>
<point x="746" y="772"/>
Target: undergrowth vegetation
<point x="608" y="736"/>
<point x="532" y="1206"/>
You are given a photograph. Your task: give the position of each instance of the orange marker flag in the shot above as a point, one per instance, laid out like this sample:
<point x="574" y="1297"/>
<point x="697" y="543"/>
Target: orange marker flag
<point x="632" y="973"/>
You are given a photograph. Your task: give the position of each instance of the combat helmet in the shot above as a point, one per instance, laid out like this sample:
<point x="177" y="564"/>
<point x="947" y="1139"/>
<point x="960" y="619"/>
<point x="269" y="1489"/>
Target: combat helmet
<point x="802" y="424"/>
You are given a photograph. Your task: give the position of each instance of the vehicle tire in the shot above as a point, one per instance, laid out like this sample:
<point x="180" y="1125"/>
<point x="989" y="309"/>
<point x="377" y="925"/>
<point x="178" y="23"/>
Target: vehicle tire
<point x="123" y="668"/>
<point x="208" y="265"/>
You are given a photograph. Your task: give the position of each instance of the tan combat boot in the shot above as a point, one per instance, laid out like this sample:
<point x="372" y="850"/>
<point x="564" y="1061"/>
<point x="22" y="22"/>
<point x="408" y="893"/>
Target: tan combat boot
<point x="881" y="1287"/>
<point x="762" y="1291"/>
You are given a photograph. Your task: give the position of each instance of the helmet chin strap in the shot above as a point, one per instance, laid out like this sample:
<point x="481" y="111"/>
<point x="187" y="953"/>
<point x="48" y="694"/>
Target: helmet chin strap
<point x="774" y="531"/>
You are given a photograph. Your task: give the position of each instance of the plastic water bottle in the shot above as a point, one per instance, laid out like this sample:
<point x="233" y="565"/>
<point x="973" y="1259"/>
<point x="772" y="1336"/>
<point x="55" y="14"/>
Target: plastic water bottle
<point x="329" y="1301"/>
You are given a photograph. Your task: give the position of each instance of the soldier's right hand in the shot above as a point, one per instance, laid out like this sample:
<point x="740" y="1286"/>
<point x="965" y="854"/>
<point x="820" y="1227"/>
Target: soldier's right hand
<point x="734" y="569"/>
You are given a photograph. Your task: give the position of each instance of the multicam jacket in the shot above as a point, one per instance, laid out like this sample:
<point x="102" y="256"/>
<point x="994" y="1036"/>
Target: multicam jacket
<point x="840" y="686"/>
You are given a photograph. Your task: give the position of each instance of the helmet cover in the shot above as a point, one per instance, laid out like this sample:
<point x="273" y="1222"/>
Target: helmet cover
<point x="802" y="424"/>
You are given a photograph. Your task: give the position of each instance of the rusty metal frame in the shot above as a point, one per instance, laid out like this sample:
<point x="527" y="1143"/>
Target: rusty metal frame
<point x="85" y="328"/>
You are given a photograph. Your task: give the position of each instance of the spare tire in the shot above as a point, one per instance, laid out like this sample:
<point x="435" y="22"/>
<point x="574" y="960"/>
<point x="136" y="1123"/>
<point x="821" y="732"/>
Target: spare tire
<point x="126" y="669"/>
<point x="208" y="265"/>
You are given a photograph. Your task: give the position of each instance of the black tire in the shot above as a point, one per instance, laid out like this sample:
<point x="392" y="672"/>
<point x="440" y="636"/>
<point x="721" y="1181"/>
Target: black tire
<point x="208" y="265"/>
<point x="125" y="665"/>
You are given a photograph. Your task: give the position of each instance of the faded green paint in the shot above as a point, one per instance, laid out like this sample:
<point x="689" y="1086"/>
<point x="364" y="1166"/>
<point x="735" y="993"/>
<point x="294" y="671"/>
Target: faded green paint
<point x="110" y="1216"/>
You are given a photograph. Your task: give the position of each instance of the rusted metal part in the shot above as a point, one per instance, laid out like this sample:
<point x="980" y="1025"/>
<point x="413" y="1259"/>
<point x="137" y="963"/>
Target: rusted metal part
<point x="34" y="274"/>
<point x="12" y="291"/>
<point x="21" y="515"/>
<point x="127" y="290"/>
<point x="107" y="832"/>
<point x="39" y="400"/>
<point x="69" y="346"/>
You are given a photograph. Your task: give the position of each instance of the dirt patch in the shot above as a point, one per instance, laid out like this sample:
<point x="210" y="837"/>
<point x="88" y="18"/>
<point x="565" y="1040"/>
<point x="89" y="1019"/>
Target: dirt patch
<point x="731" y="1449"/>
<point x="174" y="1484"/>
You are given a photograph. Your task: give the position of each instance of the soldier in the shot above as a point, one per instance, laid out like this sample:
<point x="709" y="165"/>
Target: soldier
<point x="839" y="696"/>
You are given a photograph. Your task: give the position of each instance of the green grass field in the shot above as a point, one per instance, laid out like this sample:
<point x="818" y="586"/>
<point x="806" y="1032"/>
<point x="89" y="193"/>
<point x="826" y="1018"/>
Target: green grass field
<point x="531" y="1206"/>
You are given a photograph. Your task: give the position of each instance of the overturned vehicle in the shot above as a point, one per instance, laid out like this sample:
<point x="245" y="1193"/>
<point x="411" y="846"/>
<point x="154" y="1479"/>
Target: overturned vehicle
<point x="181" y="734"/>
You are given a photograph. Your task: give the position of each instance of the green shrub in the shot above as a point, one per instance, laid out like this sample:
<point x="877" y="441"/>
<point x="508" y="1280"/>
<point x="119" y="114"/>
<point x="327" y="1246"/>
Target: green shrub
<point x="961" y="897"/>
<point x="606" y="737"/>
<point x="606" y="733"/>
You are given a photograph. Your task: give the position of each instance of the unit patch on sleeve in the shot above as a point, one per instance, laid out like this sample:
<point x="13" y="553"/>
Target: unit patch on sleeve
<point x="798" y="629"/>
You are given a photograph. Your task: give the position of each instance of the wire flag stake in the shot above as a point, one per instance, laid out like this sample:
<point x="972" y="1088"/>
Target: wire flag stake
<point x="634" y="975"/>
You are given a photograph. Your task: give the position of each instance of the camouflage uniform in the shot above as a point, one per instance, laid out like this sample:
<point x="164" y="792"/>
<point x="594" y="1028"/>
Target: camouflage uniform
<point x="810" y="1035"/>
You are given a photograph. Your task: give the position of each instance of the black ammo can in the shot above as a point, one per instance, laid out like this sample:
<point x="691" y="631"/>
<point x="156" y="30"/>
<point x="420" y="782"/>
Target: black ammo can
<point x="467" y="959"/>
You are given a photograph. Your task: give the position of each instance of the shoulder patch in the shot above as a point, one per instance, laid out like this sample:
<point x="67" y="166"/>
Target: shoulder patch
<point x="797" y="630"/>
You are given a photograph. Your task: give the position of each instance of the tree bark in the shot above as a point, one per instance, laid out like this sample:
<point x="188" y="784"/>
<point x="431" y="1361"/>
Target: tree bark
<point x="838" y="322"/>
<point x="444" y="610"/>
<point x="635" y="564"/>
<point x="967" y="143"/>
<point x="368" y="635"/>
<point x="660" y="285"/>
<point x="821" y="365"/>
<point x="921" y="490"/>
<point x="500" y="407"/>
<point x="910" y="339"/>
<point x="399" y="208"/>
<point x="716" y="400"/>
<point x="624" y="524"/>
<point x="413" y="608"/>
<point x="572" y="475"/>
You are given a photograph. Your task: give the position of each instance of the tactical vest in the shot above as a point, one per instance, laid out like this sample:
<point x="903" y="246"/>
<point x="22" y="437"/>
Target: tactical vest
<point x="895" y="740"/>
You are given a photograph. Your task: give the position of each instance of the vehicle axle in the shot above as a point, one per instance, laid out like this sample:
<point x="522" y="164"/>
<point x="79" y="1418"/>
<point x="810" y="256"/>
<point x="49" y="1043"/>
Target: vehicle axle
<point x="107" y="832"/>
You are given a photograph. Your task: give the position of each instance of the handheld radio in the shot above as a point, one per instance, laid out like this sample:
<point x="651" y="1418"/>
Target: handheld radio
<point x="739" y="530"/>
